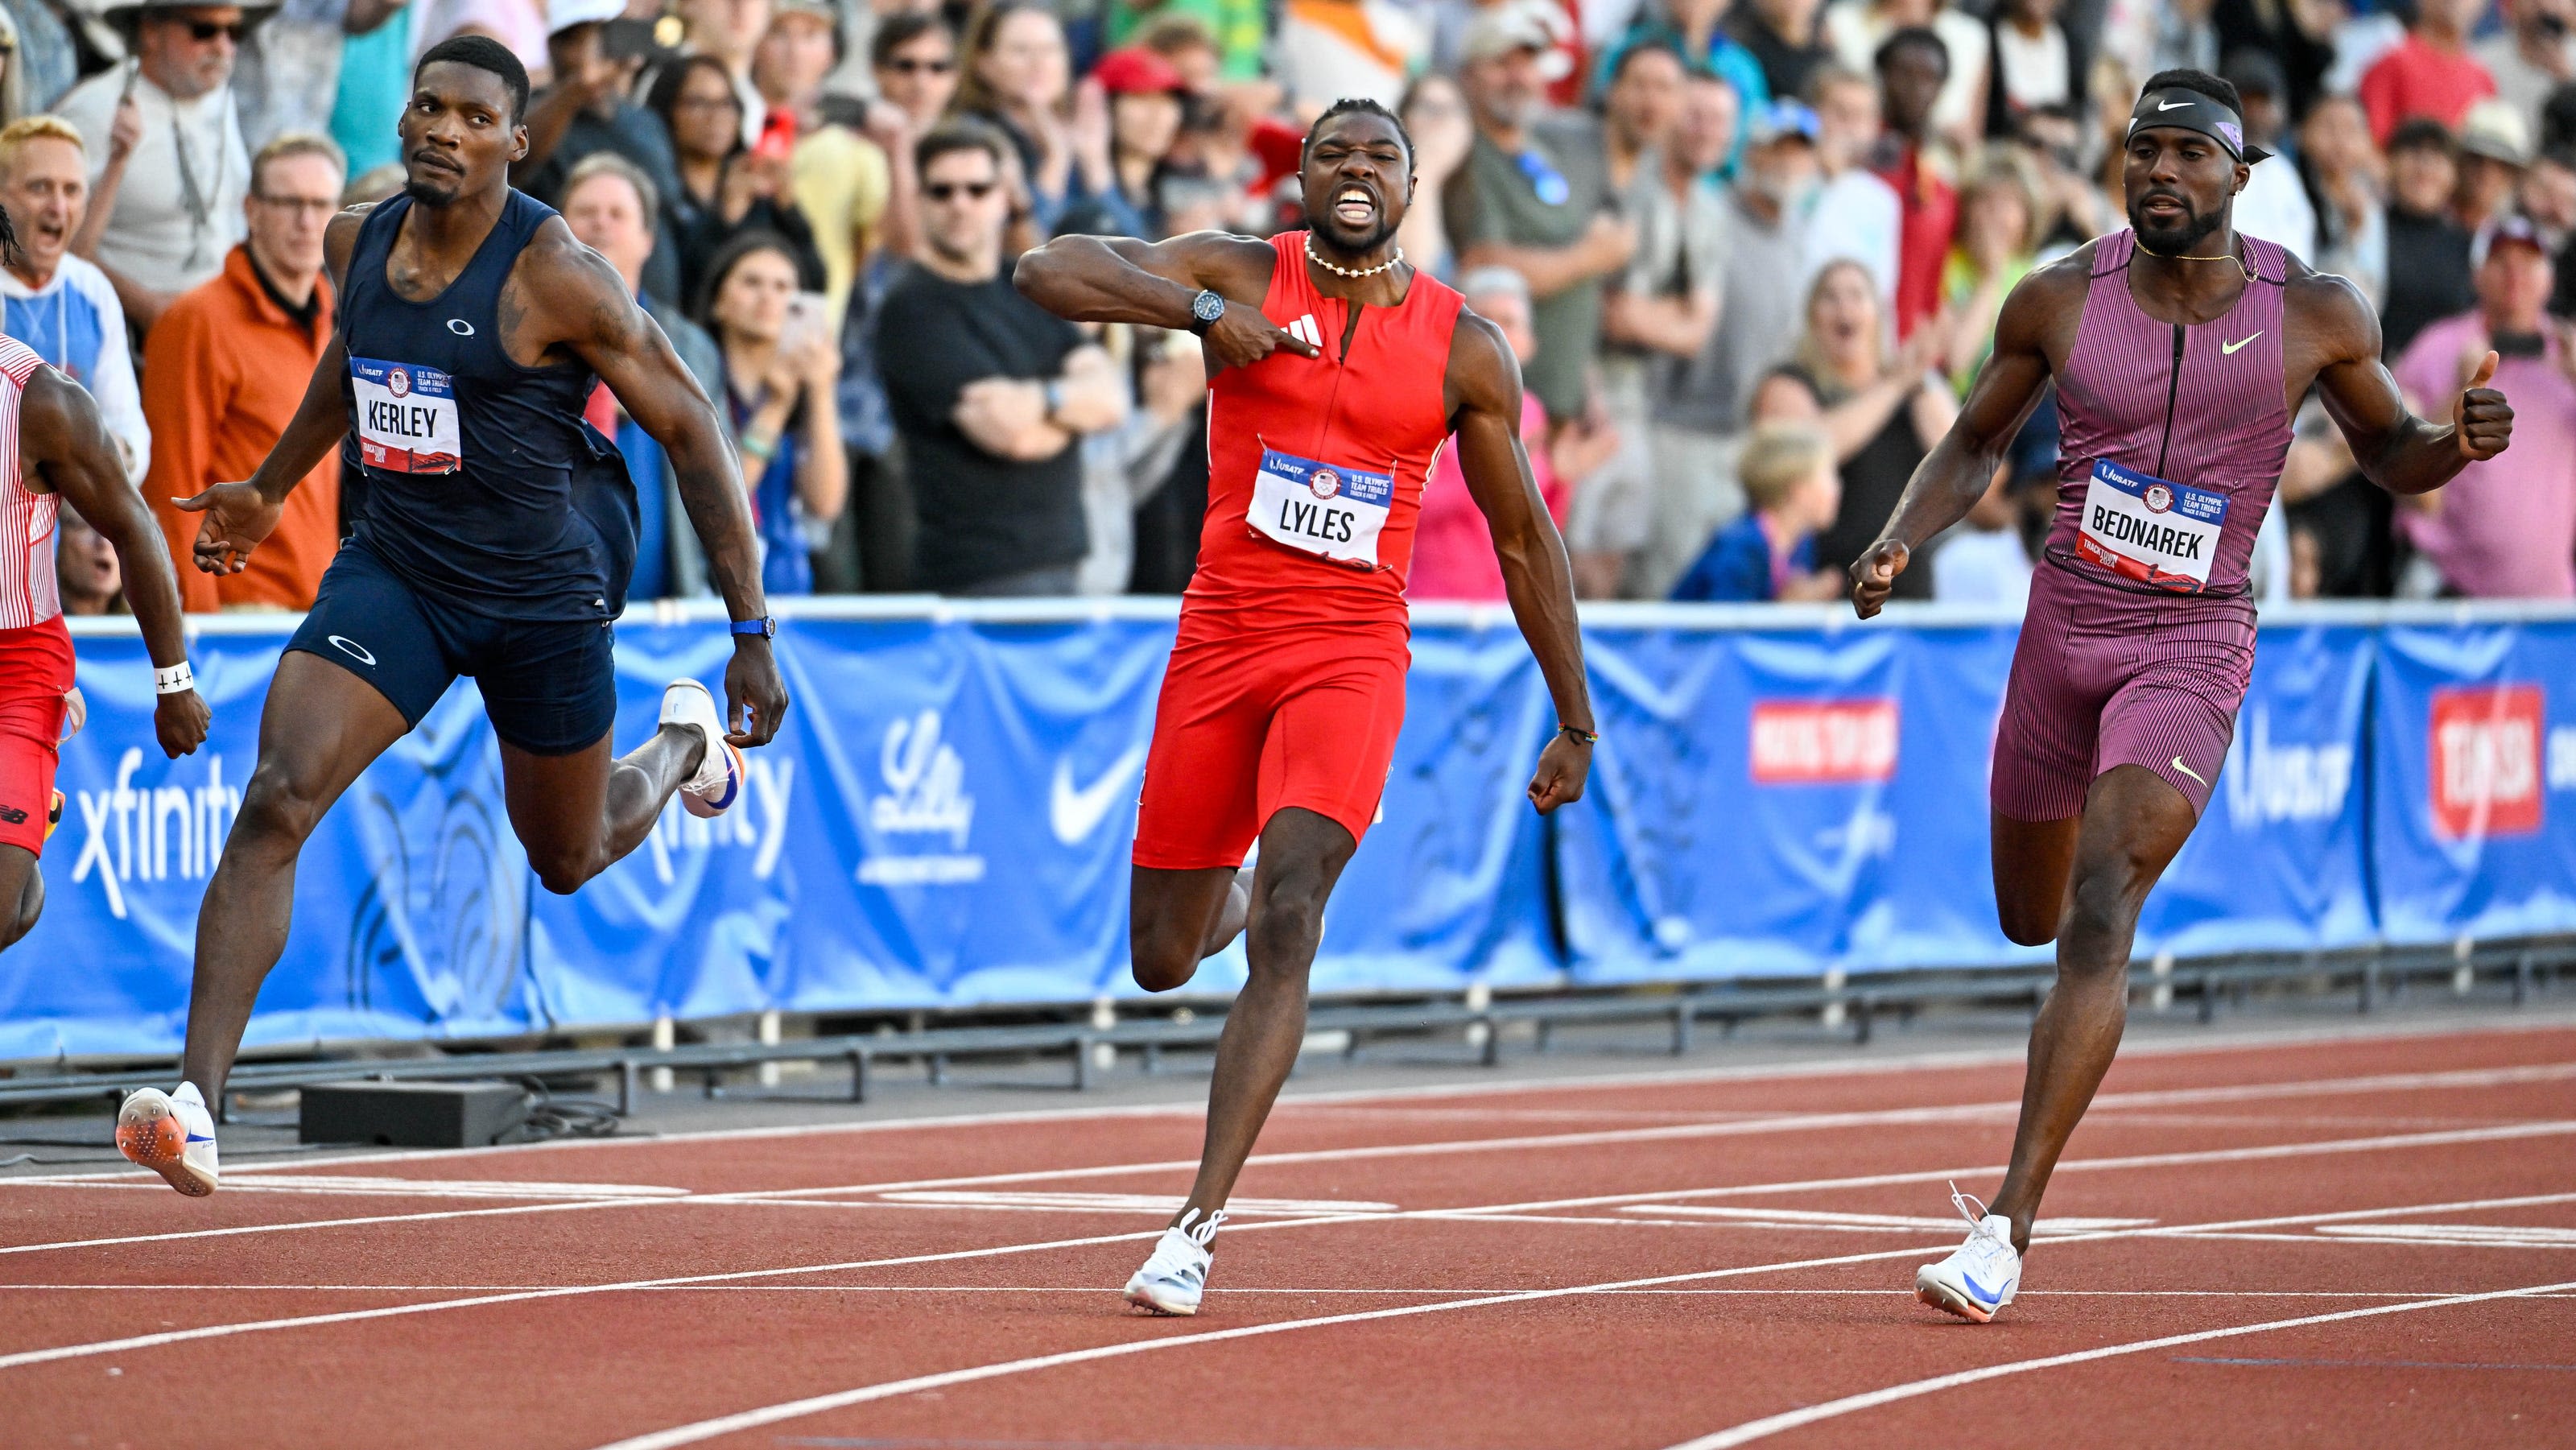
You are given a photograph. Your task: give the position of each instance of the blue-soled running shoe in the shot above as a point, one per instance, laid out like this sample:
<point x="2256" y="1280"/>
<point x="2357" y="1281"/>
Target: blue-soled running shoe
<point x="1982" y="1275"/>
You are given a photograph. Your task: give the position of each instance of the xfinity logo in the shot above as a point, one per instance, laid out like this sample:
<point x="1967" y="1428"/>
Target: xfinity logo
<point x="757" y="822"/>
<point x="133" y="833"/>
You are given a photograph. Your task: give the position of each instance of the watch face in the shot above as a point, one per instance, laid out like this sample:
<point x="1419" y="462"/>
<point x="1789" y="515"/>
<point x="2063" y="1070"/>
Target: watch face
<point x="1207" y="307"/>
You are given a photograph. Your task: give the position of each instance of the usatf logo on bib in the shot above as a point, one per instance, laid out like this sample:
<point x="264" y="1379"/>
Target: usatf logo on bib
<point x="1327" y="510"/>
<point x="406" y="417"/>
<point x="2161" y="534"/>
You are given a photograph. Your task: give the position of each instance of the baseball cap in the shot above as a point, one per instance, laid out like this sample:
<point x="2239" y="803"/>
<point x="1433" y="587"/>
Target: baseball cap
<point x="1783" y="120"/>
<point x="2511" y="231"/>
<point x="1137" y="71"/>
<point x="562" y="15"/>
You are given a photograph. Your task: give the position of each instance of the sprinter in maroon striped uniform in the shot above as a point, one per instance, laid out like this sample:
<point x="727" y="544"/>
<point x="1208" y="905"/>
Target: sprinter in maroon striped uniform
<point x="2181" y="351"/>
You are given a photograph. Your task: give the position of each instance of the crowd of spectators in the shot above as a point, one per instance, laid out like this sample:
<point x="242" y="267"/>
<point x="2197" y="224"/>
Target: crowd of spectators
<point x="1750" y="254"/>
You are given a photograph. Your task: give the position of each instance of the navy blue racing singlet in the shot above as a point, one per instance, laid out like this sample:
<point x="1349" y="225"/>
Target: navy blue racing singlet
<point x="483" y="484"/>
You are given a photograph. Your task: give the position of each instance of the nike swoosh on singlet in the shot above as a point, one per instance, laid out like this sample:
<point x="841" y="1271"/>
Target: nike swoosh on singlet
<point x="2187" y="770"/>
<point x="2229" y="348"/>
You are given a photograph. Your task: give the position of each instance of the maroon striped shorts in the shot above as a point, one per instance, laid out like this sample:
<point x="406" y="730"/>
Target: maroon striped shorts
<point x="2103" y="677"/>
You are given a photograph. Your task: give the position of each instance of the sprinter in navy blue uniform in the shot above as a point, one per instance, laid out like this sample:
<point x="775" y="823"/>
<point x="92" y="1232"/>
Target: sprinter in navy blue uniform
<point x="495" y="537"/>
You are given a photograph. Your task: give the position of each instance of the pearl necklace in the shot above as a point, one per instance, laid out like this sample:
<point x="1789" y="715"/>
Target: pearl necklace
<point x="1354" y="273"/>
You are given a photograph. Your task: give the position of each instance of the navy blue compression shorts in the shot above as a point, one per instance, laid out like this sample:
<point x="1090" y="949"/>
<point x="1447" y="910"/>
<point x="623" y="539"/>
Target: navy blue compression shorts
<point x="549" y="686"/>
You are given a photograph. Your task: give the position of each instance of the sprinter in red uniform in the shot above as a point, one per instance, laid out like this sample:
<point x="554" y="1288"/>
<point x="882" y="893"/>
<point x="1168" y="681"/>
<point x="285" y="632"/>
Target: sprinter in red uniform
<point x="54" y="447"/>
<point x="1337" y="373"/>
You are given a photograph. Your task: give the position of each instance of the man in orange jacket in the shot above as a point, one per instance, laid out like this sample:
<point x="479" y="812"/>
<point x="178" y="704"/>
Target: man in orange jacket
<point x="228" y="363"/>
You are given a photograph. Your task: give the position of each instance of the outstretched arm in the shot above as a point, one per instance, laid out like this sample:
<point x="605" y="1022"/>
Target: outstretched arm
<point x="587" y="311"/>
<point x="63" y="441"/>
<point x="240" y="515"/>
<point x="2395" y="449"/>
<point x="1115" y="279"/>
<point x="1485" y="390"/>
<point x="1961" y="467"/>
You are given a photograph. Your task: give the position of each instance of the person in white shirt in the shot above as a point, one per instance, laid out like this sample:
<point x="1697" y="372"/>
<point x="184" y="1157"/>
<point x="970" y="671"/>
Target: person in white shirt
<point x="1857" y="214"/>
<point x="168" y="169"/>
<point x="59" y="305"/>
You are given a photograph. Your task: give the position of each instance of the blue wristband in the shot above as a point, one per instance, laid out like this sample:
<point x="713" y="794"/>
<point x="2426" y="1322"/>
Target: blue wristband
<point x="765" y="626"/>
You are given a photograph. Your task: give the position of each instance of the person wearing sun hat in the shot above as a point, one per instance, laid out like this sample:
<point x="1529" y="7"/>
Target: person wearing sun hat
<point x="168" y="168"/>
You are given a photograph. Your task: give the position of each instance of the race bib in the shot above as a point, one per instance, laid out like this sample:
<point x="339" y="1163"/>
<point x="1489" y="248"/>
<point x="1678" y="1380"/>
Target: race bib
<point x="2161" y="534"/>
<point x="1322" y="509"/>
<point x="406" y="418"/>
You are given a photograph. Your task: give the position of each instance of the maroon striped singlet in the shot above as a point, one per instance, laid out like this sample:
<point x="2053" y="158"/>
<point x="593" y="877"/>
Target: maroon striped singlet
<point x="2201" y="405"/>
<point x="2113" y="669"/>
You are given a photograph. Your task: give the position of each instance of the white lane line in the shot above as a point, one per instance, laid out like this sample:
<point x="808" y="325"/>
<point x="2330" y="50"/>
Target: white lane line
<point x="1792" y="1122"/>
<point x="219" y="1331"/>
<point x="797" y="1409"/>
<point x="1874" y="1180"/>
<point x="1873" y="1067"/>
<point x="2133" y="1160"/>
<point x="374" y="1187"/>
<point x="1094" y="1291"/>
<point x="1753" y="1430"/>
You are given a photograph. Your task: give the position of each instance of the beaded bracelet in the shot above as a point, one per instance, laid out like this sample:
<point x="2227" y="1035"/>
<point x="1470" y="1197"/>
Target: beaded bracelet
<point x="1586" y="736"/>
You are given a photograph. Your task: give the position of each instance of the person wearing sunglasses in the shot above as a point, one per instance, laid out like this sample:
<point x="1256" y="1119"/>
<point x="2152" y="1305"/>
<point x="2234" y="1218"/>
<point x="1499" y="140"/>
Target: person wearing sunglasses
<point x="168" y="167"/>
<point x="990" y="393"/>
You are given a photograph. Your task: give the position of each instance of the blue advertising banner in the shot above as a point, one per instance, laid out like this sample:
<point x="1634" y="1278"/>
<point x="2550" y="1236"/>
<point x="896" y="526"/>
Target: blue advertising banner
<point x="1774" y="801"/>
<point x="2277" y="863"/>
<point x="2473" y="780"/>
<point x="945" y="820"/>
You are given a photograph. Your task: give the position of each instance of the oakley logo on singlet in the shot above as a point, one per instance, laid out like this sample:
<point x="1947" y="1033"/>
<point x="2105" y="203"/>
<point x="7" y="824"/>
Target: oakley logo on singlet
<point x="1322" y="509"/>
<point x="352" y="649"/>
<point x="460" y="327"/>
<point x="406" y="417"/>
<point x="2158" y="533"/>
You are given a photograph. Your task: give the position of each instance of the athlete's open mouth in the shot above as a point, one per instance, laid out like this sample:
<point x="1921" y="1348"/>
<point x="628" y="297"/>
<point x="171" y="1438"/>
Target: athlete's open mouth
<point x="1354" y="207"/>
<point x="2164" y="206"/>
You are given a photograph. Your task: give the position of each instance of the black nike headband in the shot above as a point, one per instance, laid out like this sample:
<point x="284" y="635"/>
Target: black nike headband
<point x="2196" y="111"/>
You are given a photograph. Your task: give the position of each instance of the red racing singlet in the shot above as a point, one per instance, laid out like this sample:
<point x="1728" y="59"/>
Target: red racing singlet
<point x="1316" y="465"/>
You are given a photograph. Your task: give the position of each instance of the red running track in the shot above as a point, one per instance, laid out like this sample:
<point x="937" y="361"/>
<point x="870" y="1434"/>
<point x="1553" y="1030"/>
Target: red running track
<point x="2356" y="1242"/>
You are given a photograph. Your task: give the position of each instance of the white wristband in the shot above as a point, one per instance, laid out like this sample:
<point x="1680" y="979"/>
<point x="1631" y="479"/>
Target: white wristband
<point x="177" y="679"/>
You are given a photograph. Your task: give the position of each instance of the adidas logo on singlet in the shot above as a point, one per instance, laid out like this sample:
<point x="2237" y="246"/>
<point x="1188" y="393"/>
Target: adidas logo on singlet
<point x="1305" y="331"/>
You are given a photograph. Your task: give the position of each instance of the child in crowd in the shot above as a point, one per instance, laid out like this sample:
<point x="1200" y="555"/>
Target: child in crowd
<point x="1792" y="491"/>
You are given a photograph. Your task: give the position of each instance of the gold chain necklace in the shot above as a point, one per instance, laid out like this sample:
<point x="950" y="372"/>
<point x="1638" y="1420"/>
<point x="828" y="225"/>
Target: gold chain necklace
<point x="1354" y="273"/>
<point x="2245" y="261"/>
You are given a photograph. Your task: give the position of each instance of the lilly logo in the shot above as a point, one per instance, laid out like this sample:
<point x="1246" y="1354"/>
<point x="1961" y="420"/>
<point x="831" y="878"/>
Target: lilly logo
<point x="925" y="795"/>
<point x="1074" y="812"/>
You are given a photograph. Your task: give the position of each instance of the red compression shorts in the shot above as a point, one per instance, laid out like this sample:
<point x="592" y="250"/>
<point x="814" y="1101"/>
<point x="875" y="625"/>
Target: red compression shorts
<point x="1244" y="730"/>
<point x="35" y="669"/>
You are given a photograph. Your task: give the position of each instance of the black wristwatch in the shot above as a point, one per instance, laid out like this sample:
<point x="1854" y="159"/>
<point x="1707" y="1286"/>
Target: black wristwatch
<point x="1205" y="309"/>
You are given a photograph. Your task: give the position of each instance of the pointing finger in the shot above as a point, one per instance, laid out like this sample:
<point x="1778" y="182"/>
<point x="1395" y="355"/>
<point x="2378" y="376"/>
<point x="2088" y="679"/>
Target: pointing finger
<point x="195" y="503"/>
<point x="1298" y="345"/>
